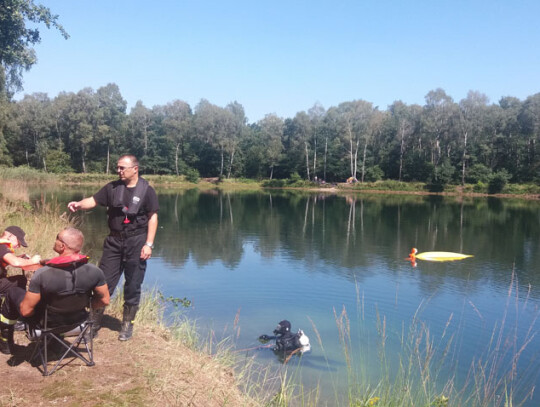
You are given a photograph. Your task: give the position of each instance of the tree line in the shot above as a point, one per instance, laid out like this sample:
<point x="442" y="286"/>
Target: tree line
<point x="442" y="141"/>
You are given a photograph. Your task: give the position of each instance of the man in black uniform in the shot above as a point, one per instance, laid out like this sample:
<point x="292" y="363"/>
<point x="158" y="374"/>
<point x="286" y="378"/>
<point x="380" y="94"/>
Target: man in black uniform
<point x="66" y="274"/>
<point x="132" y="208"/>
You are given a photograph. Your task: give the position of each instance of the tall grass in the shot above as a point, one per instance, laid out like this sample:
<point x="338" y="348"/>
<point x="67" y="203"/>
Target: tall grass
<point x="25" y="174"/>
<point x="41" y="221"/>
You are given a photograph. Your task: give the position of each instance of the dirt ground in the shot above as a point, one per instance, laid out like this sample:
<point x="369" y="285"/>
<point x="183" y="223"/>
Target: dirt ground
<point x="149" y="370"/>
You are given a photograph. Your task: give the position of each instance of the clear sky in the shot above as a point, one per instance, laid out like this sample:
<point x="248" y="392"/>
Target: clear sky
<point x="284" y="56"/>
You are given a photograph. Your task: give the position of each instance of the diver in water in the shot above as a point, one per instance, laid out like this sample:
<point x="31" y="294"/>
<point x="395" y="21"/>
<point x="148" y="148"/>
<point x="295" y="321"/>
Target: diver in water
<point x="287" y="342"/>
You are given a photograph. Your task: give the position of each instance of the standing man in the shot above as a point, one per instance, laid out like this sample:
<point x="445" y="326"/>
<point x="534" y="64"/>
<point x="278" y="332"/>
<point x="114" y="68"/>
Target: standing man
<point x="132" y="208"/>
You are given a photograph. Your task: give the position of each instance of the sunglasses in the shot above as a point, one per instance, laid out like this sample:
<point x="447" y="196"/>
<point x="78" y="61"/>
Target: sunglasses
<point x="120" y="168"/>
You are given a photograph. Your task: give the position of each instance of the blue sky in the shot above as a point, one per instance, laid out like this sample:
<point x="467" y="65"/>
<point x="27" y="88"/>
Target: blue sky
<point x="282" y="57"/>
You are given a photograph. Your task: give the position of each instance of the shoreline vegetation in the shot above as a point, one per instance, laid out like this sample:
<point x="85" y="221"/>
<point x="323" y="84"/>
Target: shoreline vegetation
<point x="506" y="190"/>
<point x="169" y="363"/>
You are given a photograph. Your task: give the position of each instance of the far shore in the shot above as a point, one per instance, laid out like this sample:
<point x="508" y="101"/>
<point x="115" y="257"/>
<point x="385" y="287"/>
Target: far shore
<point x="389" y="187"/>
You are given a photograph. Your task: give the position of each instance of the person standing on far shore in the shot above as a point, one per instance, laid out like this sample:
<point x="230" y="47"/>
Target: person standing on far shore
<point x="132" y="207"/>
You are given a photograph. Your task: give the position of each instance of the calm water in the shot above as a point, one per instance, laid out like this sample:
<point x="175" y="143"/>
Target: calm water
<point x="258" y="258"/>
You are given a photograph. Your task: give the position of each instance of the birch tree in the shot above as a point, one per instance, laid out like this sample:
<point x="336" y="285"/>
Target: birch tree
<point x="177" y="123"/>
<point x="272" y="133"/>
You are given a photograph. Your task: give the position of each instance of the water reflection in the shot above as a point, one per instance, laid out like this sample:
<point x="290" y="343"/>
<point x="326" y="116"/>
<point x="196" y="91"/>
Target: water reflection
<point x="347" y="233"/>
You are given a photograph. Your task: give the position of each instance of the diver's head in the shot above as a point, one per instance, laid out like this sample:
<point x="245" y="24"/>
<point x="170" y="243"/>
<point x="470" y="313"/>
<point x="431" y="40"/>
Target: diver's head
<point x="282" y="328"/>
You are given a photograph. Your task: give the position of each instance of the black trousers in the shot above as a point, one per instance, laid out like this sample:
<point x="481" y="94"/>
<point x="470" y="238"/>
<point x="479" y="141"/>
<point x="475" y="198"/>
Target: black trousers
<point x="14" y="281"/>
<point x="123" y="255"/>
<point x="12" y="300"/>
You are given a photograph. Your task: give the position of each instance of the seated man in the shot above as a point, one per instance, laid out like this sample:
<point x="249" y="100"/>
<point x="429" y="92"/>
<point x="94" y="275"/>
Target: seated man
<point x="66" y="274"/>
<point x="12" y="238"/>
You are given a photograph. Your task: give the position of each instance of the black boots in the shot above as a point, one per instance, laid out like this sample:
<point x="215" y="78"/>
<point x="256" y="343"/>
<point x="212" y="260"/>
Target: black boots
<point x="6" y="338"/>
<point x="96" y="315"/>
<point x="127" y="322"/>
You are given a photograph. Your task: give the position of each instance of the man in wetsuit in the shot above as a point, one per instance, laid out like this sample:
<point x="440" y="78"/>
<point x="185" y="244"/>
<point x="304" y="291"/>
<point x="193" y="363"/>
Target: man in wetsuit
<point x="132" y="208"/>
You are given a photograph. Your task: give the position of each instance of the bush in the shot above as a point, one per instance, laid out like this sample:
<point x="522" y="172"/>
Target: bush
<point x="273" y="183"/>
<point x="192" y="175"/>
<point x="498" y="181"/>
<point x="480" y="187"/>
<point x="478" y="173"/>
<point x="374" y="174"/>
<point x="58" y="162"/>
<point x="295" y="177"/>
<point x="441" y="176"/>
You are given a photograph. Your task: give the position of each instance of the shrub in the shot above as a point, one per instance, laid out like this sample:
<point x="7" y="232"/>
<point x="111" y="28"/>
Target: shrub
<point x="480" y="187"/>
<point x="58" y="162"/>
<point x="498" y="181"/>
<point x="192" y="175"/>
<point x="478" y="173"/>
<point x="295" y="177"/>
<point x="374" y="174"/>
<point x="273" y="183"/>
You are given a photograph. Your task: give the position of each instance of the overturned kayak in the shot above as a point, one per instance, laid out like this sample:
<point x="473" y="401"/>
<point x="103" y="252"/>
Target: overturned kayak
<point x="441" y="256"/>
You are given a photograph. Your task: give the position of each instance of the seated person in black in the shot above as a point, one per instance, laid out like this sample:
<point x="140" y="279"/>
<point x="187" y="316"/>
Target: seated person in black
<point x="66" y="274"/>
<point x="11" y="239"/>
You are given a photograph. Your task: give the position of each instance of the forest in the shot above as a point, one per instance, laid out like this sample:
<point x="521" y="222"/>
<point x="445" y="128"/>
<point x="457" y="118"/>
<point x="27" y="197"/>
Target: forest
<point x="441" y="142"/>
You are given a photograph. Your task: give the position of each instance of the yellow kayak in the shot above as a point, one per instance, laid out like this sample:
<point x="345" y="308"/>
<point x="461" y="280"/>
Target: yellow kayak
<point x="442" y="256"/>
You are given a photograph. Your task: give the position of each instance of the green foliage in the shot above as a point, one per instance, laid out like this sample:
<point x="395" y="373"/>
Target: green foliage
<point x="273" y="183"/>
<point x="16" y="39"/>
<point x="498" y="181"/>
<point x="416" y="168"/>
<point x="25" y="174"/>
<point x="478" y="173"/>
<point x="192" y="175"/>
<point x="480" y="187"/>
<point x="175" y="301"/>
<point x="58" y="162"/>
<point x="374" y="174"/>
<point x="442" y="175"/>
<point x="295" y="177"/>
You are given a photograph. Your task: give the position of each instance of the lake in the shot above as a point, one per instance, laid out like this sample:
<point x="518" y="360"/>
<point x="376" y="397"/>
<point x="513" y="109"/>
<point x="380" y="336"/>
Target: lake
<point x="335" y="267"/>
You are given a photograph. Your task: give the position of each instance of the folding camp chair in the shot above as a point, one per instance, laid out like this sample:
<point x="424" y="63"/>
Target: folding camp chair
<point x="64" y="316"/>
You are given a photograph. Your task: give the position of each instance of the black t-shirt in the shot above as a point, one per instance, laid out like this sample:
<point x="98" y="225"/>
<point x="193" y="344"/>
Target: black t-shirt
<point x="50" y="281"/>
<point x="105" y="197"/>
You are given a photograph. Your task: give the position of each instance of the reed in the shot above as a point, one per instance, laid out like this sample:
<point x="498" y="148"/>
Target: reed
<point x="25" y="174"/>
<point x="41" y="221"/>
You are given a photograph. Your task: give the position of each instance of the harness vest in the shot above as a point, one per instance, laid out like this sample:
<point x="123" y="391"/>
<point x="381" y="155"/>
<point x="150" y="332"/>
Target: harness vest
<point x="70" y="263"/>
<point x="132" y="210"/>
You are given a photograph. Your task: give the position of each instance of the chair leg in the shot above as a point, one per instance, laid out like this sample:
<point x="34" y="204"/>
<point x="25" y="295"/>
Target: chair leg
<point x="70" y="349"/>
